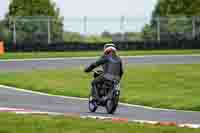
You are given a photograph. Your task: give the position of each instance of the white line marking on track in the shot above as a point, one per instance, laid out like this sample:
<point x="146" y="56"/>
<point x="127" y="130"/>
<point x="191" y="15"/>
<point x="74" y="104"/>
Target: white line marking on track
<point x="85" y="99"/>
<point x="113" y="119"/>
<point x="46" y="59"/>
<point x="26" y="111"/>
<point x="11" y="109"/>
<point x="41" y="93"/>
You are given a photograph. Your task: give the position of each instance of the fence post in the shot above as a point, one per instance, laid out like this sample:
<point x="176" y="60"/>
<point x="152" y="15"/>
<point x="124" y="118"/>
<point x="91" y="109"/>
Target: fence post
<point x="85" y="24"/>
<point x="14" y="32"/>
<point x="122" y="20"/>
<point x="194" y="27"/>
<point x="49" y="31"/>
<point x="158" y="29"/>
<point x="122" y="23"/>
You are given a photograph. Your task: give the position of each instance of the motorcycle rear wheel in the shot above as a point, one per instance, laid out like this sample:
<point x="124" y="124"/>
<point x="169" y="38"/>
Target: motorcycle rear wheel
<point x="111" y="105"/>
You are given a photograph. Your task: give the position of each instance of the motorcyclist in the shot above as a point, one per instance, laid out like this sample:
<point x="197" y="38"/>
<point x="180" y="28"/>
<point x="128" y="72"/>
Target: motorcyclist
<point x="111" y="64"/>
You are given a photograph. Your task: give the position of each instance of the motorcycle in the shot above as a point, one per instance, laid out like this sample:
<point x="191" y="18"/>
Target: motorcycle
<point x="107" y="95"/>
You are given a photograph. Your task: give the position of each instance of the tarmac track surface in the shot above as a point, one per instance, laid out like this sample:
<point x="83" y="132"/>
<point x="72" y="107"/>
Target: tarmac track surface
<point x="19" y="99"/>
<point x="55" y="63"/>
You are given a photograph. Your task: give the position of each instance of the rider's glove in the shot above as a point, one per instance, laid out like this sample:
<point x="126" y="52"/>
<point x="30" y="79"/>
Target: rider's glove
<point x="86" y="70"/>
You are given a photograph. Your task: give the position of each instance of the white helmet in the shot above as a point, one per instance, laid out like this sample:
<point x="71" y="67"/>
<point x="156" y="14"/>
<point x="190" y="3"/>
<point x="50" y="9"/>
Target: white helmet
<point x="109" y="47"/>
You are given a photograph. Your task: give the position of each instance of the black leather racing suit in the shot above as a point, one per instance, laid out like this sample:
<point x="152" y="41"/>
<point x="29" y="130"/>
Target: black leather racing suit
<point x="112" y="68"/>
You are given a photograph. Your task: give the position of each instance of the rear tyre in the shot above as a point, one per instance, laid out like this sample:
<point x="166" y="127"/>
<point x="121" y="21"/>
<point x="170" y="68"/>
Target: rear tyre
<point x="115" y="102"/>
<point x="112" y="104"/>
<point x="110" y="107"/>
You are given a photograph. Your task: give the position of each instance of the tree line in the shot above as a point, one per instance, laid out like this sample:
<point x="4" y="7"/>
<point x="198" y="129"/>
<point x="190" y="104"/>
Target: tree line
<point x="183" y="18"/>
<point x="186" y="9"/>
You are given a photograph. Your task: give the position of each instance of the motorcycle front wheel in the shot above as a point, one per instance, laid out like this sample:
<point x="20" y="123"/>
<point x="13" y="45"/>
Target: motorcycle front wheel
<point x="92" y="105"/>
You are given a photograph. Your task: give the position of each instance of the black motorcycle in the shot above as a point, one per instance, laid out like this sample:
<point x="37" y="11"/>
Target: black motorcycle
<point x="107" y="95"/>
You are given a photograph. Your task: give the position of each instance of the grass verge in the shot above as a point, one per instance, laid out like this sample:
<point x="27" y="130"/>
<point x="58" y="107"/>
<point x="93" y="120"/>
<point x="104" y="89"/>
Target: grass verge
<point x="11" y="123"/>
<point x="163" y="86"/>
<point x="27" y="55"/>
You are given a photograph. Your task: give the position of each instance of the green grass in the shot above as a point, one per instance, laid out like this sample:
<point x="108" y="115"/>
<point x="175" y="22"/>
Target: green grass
<point x="11" y="123"/>
<point x="21" y="55"/>
<point x="165" y="86"/>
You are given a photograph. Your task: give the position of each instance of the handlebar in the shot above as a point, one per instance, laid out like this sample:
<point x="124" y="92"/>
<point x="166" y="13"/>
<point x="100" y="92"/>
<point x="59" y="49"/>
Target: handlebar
<point x="97" y="71"/>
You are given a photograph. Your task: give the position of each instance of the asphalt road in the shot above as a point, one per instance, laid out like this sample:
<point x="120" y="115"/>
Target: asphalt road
<point x="24" y="65"/>
<point x="17" y="99"/>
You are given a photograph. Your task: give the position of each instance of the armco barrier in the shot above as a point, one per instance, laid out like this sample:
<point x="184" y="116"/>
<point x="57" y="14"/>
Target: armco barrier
<point x="79" y="46"/>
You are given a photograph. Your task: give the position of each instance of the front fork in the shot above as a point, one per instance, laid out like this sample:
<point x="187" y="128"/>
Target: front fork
<point x="93" y="91"/>
<point x="116" y="89"/>
<point x="115" y="92"/>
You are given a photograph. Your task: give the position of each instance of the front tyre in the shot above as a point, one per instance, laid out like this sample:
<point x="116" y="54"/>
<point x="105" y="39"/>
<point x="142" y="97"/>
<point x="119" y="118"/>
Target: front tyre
<point x="92" y="104"/>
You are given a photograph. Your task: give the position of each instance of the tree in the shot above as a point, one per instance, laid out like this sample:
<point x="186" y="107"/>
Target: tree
<point x="177" y="8"/>
<point x="97" y="39"/>
<point x="5" y="33"/>
<point x="32" y="8"/>
<point x="33" y="17"/>
<point x="148" y="33"/>
<point x="72" y="37"/>
<point x="175" y="18"/>
<point x="132" y="36"/>
<point x="106" y="34"/>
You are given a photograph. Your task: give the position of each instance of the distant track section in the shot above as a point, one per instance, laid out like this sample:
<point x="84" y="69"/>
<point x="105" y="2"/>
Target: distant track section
<point x="54" y="63"/>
